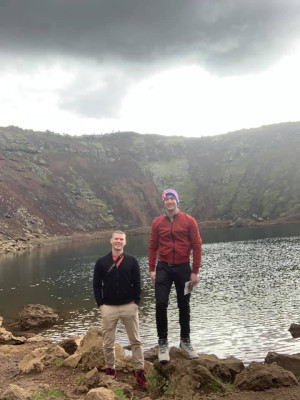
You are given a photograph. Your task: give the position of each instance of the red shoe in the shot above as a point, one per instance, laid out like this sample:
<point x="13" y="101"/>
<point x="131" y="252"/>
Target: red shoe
<point x="112" y="372"/>
<point x="141" y="378"/>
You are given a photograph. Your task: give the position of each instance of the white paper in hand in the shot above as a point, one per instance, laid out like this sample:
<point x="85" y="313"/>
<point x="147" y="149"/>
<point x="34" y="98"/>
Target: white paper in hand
<point x="188" y="288"/>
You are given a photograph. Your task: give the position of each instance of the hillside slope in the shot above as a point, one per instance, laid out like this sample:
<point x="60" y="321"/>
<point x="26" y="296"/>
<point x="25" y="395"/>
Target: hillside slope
<point x="59" y="184"/>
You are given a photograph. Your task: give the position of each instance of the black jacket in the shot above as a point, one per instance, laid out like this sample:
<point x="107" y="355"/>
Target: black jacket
<point x="120" y="285"/>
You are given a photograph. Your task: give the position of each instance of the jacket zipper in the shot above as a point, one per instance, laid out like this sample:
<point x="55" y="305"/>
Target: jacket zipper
<point x="173" y="239"/>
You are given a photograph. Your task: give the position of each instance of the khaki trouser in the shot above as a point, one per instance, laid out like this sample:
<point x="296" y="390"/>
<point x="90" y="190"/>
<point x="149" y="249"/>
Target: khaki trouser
<point x="128" y="314"/>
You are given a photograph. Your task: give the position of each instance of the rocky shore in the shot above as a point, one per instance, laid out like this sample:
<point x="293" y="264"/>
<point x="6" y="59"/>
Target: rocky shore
<point x="32" y="367"/>
<point x="22" y="242"/>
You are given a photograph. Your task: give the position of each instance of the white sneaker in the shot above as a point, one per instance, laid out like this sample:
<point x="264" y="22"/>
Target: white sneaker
<point x="186" y="346"/>
<point x="163" y="351"/>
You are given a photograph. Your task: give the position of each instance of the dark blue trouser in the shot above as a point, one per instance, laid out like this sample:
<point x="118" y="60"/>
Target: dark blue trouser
<point x="165" y="276"/>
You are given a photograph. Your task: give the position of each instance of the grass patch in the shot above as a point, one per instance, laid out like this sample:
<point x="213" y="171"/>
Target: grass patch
<point x="45" y="181"/>
<point x="217" y="385"/>
<point x="80" y="380"/>
<point x="121" y="395"/>
<point x="44" y="394"/>
<point x="57" y="362"/>
<point x="158" y="383"/>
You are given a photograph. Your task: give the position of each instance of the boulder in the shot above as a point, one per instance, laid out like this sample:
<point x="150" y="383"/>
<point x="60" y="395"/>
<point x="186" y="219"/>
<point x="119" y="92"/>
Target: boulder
<point x="258" y="376"/>
<point x="92" y="338"/>
<point x="225" y="369"/>
<point x="89" y="353"/>
<point x="198" y="380"/>
<point x="38" y="339"/>
<point x="114" y="384"/>
<point x="92" y="378"/>
<point x="90" y="381"/>
<point x="36" y="316"/>
<point x="7" y="351"/>
<point x="101" y="394"/>
<point x="92" y="358"/>
<point x="7" y="337"/>
<point x="72" y="361"/>
<point x="14" y="392"/>
<point x="294" y="329"/>
<point x="288" y="362"/>
<point x="40" y="358"/>
<point x="151" y="354"/>
<point x="183" y="378"/>
<point x="239" y="222"/>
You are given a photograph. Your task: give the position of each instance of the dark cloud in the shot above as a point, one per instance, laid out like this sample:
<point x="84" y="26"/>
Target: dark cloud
<point x="139" y="37"/>
<point x="228" y="36"/>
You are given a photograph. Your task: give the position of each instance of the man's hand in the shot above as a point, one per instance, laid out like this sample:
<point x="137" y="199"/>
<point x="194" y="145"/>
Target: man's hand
<point x="152" y="276"/>
<point x="194" y="279"/>
<point x="100" y="307"/>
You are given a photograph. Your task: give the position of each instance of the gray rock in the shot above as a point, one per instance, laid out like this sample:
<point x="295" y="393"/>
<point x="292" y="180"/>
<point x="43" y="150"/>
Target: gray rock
<point x="14" y="392"/>
<point x="40" y="358"/>
<point x="259" y="376"/>
<point x="91" y="380"/>
<point x="37" y="316"/>
<point x="93" y="358"/>
<point x="294" y="329"/>
<point x="151" y="354"/>
<point x="101" y="394"/>
<point x="288" y="362"/>
<point x="225" y="369"/>
<point x="187" y="379"/>
<point x="7" y="337"/>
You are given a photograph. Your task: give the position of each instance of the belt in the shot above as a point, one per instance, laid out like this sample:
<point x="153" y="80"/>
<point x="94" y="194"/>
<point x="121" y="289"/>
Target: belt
<point x="171" y="265"/>
<point x="165" y="263"/>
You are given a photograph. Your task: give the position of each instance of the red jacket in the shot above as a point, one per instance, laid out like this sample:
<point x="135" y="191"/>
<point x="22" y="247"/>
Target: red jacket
<point x="172" y="242"/>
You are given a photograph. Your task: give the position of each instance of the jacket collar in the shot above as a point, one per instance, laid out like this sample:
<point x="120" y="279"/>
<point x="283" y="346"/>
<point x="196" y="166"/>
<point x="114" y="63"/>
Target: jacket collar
<point x="166" y="215"/>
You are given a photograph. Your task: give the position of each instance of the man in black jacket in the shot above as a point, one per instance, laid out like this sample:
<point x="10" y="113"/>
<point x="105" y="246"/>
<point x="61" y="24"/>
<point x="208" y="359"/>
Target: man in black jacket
<point x="117" y="289"/>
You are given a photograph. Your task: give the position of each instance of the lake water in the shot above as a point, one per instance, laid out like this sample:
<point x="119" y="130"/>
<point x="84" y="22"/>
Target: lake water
<point x="248" y="295"/>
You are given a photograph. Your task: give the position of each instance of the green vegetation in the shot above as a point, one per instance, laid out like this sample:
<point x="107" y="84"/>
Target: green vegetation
<point x="121" y="395"/>
<point x="45" y="393"/>
<point x="173" y="173"/>
<point x="80" y="380"/>
<point x="109" y="180"/>
<point x="57" y="362"/>
<point x="102" y="209"/>
<point x="215" y="387"/>
<point x="46" y="182"/>
<point x="158" y="383"/>
<point x="227" y="385"/>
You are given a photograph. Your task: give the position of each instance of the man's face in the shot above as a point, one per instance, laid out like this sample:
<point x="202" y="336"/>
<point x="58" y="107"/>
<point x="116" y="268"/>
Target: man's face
<point x="170" y="203"/>
<point x="118" y="241"/>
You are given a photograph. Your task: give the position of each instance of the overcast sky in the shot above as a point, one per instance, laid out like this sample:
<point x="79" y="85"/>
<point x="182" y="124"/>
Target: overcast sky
<point x="172" y="67"/>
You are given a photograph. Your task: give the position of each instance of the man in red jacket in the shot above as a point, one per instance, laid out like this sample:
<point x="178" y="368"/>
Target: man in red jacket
<point x="174" y="235"/>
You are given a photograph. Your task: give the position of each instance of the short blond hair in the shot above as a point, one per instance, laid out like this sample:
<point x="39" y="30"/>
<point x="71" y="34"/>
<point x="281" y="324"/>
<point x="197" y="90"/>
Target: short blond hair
<point x="119" y="232"/>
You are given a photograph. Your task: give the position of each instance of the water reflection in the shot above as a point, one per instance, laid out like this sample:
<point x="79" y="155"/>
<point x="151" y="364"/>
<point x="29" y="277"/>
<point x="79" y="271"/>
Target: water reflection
<point x="247" y="297"/>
